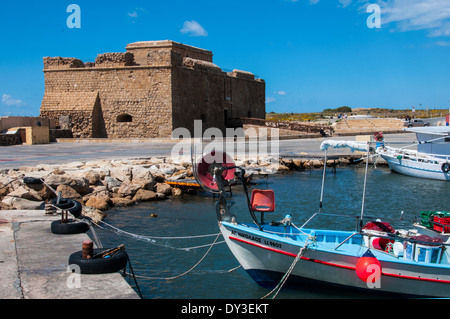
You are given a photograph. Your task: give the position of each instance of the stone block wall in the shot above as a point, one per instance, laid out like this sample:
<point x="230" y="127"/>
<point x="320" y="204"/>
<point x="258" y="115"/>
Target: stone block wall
<point x="204" y="91"/>
<point x="142" y="93"/>
<point x="10" y="139"/>
<point x="147" y="92"/>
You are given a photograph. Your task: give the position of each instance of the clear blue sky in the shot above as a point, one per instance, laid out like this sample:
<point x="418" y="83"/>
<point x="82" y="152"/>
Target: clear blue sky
<point x="313" y="54"/>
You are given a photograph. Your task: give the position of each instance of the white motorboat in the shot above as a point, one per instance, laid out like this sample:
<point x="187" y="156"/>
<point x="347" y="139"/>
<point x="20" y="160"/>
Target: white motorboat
<point x="431" y="160"/>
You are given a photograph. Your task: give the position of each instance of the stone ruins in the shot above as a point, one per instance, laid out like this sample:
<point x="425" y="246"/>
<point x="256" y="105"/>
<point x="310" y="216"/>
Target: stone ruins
<point x="147" y="92"/>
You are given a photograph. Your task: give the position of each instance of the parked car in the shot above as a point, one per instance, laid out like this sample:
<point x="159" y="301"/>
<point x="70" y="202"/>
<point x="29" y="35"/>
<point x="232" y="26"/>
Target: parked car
<point x="415" y="122"/>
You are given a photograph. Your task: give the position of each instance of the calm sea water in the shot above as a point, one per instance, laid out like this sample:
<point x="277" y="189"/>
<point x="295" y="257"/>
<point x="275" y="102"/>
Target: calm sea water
<point x="297" y="194"/>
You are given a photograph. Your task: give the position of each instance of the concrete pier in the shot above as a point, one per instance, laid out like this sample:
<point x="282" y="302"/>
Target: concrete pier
<point x="34" y="262"/>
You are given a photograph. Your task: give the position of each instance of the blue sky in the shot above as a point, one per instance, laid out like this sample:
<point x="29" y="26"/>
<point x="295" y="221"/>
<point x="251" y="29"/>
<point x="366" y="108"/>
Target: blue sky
<point x="313" y="54"/>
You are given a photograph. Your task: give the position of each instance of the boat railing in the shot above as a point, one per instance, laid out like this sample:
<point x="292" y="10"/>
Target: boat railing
<point x="390" y="236"/>
<point x="416" y="155"/>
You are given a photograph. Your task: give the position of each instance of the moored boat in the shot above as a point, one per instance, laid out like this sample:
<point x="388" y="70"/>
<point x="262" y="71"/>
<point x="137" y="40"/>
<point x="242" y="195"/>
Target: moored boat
<point x="416" y="164"/>
<point x="374" y="257"/>
<point x="431" y="160"/>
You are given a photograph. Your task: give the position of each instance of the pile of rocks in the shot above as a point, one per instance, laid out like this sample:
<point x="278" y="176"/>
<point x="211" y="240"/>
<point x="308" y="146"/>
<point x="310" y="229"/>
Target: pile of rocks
<point x="97" y="184"/>
<point x="103" y="184"/>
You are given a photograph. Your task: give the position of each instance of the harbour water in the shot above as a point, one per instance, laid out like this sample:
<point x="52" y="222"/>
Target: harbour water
<point x="154" y="258"/>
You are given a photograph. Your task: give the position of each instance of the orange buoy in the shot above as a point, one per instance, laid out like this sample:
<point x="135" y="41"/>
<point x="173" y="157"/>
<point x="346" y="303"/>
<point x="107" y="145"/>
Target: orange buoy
<point x="368" y="267"/>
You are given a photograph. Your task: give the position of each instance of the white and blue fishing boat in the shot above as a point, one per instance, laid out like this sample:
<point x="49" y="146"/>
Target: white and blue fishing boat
<point x="375" y="257"/>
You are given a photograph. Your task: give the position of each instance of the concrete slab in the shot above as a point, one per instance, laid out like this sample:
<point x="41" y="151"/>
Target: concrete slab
<point x="10" y="283"/>
<point x="35" y="263"/>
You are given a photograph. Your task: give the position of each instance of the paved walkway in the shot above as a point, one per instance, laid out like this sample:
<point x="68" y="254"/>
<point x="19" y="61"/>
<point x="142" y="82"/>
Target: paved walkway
<point x="34" y="261"/>
<point x="58" y="153"/>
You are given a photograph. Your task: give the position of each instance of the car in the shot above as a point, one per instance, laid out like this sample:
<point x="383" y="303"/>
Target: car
<point x="414" y="122"/>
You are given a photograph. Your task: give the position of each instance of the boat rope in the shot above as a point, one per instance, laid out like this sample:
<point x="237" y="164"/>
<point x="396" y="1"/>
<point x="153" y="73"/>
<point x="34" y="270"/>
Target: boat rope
<point x="155" y="237"/>
<point x="151" y="239"/>
<point x="188" y="271"/>
<point x="134" y="277"/>
<point x="283" y="280"/>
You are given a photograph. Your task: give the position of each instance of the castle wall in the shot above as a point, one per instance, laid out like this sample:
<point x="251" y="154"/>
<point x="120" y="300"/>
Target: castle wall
<point x="202" y="90"/>
<point x="144" y="94"/>
<point x="147" y="92"/>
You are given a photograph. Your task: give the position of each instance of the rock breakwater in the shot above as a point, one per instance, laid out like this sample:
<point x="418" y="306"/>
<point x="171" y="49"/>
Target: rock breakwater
<point x="102" y="184"/>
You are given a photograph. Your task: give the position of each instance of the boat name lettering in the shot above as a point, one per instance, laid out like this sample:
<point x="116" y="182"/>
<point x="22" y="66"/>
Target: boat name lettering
<point x="247" y="236"/>
<point x="273" y="244"/>
<point x="257" y="239"/>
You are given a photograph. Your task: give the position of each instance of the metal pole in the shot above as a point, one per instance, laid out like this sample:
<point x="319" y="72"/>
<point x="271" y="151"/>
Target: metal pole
<point x="321" y="191"/>
<point x="365" y="183"/>
<point x="323" y="180"/>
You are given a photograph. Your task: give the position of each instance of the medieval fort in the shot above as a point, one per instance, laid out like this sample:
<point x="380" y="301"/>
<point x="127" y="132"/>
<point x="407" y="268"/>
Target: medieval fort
<point x="147" y="92"/>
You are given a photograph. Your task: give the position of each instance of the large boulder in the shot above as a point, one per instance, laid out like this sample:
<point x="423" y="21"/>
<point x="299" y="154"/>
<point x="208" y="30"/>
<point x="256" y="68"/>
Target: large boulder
<point x="100" y="191"/>
<point x="68" y="192"/>
<point x="22" y="192"/>
<point x="95" y="214"/>
<point x="23" y="204"/>
<point x="79" y="184"/>
<point x="128" y="189"/>
<point x="167" y="169"/>
<point x="163" y="188"/>
<point x="42" y="190"/>
<point x="122" y="173"/>
<point x="97" y="202"/>
<point x="143" y="195"/>
<point x="122" y="202"/>
<point x="92" y="177"/>
<point x="143" y="177"/>
<point x="111" y="182"/>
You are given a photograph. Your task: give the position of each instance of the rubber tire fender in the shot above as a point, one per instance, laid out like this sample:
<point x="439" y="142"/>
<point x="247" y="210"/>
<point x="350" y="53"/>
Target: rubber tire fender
<point x="110" y="264"/>
<point x="445" y="167"/>
<point x="73" y="206"/>
<point x="71" y="227"/>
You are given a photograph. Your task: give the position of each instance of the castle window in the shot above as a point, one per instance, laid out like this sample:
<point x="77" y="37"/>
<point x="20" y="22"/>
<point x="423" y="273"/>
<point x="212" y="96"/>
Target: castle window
<point x="124" y="118"/>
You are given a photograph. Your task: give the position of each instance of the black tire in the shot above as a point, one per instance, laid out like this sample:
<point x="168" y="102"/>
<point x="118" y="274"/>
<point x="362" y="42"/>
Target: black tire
<point x="110" y="264"/>
<point x="445" y="167"/>
<point x="73" y="206"/>
<point x="71" y="227"/>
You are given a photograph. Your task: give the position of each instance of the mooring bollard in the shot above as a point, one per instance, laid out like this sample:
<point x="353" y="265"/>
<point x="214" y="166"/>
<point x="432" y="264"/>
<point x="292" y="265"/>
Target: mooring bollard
<point x="87" y="249"/>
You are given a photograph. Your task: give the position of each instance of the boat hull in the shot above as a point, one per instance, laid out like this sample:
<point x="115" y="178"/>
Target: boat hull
<point x="416" y="168"/>
<point x="266" y="259"/>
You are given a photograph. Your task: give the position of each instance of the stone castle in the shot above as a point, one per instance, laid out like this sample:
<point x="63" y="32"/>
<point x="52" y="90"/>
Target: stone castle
<point x="147" y="92"/>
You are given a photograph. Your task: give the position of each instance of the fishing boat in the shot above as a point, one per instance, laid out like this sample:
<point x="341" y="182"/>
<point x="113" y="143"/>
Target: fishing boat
<point x="431" y="160"/>
<point x="375" y="257"/>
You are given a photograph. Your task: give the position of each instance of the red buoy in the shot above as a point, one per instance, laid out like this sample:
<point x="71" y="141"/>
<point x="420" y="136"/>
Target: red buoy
<point x="368" y="267"/>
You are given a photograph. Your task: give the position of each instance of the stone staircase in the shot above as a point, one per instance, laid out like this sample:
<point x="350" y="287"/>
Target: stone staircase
<point x="368" y="125"/>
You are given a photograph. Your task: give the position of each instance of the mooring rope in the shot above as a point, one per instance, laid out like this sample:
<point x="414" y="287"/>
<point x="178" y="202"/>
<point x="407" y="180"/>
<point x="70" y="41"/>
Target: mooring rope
<point x="288" y="272"/>
<point x="156" y="237"/>
<point x="152" y="240"/>
<point x="188" y="271"/>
